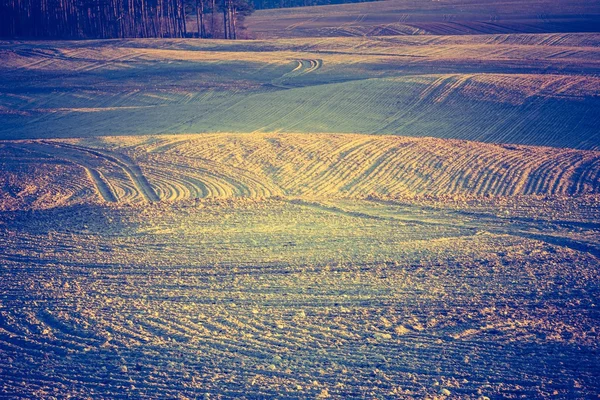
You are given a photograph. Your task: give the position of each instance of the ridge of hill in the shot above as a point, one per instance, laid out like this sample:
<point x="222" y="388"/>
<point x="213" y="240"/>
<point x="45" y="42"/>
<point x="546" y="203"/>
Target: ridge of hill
<point x="415" y="17"/>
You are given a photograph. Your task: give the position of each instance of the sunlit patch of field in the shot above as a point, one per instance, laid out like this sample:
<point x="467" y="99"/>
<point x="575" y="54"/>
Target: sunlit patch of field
<point x="184" y="167"/>
<point x="361" y="165"/>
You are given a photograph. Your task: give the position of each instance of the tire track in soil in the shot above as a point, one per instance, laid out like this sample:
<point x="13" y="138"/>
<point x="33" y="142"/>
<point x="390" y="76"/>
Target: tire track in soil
<point x="512" y="229"/>
<point x="303" y="67"/>
<point x="103" y="186"/>
<point x="132" y="170"/>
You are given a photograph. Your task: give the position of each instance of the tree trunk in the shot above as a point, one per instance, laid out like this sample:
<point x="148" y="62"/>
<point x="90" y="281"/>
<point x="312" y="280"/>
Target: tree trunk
<point x="225" y="36"/>
<point x="213" y="9"/>
<point x="233" y="23"/>
<point x="202" y="29"/>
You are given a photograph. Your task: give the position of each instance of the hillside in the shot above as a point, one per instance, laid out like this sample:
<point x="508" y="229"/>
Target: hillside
<point x="429" y="17"/>
<point x="43" y="174"/>
<point x="521" y="89"/>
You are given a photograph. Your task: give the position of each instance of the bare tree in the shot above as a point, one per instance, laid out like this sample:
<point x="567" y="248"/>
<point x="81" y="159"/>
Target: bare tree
<point x="82" y="19"/>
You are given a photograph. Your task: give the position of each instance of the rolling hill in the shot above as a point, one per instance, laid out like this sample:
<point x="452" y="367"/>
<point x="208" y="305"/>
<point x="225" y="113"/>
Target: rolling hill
<point x="46" y="174"/>
<point x="521" y="89"/>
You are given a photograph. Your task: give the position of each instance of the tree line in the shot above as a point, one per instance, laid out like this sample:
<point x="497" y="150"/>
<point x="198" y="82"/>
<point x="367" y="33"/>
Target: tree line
<point x="87" y="19"/>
